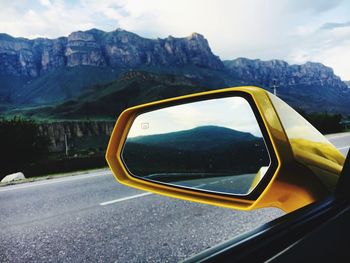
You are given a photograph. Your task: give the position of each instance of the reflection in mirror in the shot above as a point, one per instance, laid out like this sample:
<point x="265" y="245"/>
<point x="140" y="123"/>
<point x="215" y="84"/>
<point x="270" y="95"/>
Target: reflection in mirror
<point x="213" y="145"/>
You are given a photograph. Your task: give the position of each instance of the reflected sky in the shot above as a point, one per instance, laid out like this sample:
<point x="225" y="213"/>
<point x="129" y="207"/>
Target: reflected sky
<point x="233" y="113"/>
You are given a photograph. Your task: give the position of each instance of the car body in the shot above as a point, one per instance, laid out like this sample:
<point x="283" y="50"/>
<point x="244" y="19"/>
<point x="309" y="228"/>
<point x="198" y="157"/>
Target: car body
<point x="304" y="174"/>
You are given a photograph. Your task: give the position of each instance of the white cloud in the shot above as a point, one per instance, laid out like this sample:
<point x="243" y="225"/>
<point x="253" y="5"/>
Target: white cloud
<point x="328" y="44"/>
<point x="233" y="113"/>
<point x="338" y="57"/>
<point x="53" y="19"/>
<point x="45" y="2"/>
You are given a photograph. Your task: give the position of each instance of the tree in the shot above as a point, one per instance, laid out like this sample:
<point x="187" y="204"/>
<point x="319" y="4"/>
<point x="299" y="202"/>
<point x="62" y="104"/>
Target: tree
<point x="20" y="145"/>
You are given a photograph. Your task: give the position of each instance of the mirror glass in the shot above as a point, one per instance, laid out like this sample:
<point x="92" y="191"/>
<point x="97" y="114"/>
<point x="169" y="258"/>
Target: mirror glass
<point x="213" y="145"/>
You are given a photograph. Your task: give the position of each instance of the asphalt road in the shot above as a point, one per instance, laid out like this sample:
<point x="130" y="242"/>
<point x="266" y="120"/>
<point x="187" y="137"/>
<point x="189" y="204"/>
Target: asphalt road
<point x="341" y="141"/>
<point x="92" y="218"/>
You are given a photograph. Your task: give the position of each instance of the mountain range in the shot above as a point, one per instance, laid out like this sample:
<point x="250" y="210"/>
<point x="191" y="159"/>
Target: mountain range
<point x="96" y="74"/>
<point x="222" y="150"/>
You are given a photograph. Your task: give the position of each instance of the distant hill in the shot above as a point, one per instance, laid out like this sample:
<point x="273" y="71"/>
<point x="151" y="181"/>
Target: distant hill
<point x="83" y="75"/>
<point x="109" y="100"/>
<point x="222" y="150"/>
<point x="311" y="86"/>
<point x="203" y="137"/>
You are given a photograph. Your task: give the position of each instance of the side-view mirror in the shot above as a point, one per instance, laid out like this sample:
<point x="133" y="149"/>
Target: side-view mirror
<point x="241" y="148"/>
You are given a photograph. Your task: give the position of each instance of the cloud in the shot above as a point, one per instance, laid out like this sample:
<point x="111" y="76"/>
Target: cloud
<point x="338" y="57"/>
<point x="328" y="44"/>
<point x="315" y="6"/>
<point x="45" y="2"/>
<point x="233" y="113"/>
<point x="293" y="30"/>
<point x="330" y="26"/>
<point x="288" y="30"/>
<point x="43" y="19"/>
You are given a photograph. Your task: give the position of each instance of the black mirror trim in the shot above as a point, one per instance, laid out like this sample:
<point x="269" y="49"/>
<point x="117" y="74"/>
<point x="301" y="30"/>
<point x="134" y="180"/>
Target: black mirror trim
<point x="273" y="158"/>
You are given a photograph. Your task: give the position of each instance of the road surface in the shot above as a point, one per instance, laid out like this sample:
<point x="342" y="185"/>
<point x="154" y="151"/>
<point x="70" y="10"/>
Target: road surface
<point x="92" y="218"/>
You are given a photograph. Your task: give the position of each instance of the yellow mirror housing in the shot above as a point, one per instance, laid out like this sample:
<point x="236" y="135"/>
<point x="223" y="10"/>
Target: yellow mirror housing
<point x="306" y="167"/>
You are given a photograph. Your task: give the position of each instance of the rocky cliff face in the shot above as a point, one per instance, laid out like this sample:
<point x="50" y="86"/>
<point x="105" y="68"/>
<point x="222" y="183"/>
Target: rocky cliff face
<point x="33" y="58"/>
<point x="57" y="131"/>
<point x="311" y="87"/>
<point x="280" y="73"/>
<point x="30" y="58"/>
<point x="46" y="71"/>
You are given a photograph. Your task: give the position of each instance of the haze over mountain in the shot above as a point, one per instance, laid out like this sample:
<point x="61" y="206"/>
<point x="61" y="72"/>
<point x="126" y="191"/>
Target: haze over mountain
<point x="347" y="83"/>
<point x="196" y="138"/>
<point x="90" y="66"/>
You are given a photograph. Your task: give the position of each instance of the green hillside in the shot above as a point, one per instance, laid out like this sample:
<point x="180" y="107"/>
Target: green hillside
<point x="205" y="149"/>
<point x="62" y="84"/>
<point x="203" y="137"/>
<point x="108" y="100"/>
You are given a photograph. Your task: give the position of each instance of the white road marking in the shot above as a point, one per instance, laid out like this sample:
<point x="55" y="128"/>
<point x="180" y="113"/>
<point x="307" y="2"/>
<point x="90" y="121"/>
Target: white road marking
<point x="337" y="135"/>
<point x="200" y="185"/>
<point x="53" y="181"/>
<point x="342" y="148"/>
<point x="124" y="199"/>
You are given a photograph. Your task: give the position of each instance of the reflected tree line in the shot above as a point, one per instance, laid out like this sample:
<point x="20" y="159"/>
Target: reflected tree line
<point x="195" y="153"/>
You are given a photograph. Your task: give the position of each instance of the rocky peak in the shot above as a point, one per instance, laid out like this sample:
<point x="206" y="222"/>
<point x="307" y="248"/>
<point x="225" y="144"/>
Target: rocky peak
<point x="119" y="48"/>
<point x="83" y="49"/>
<point x="266" y="72"/>
<point x="6" y="37"/>
<point x="245" y="62"/>
<point x="81" y="36"/>
<point x="196" y="37"/>
<point x="313" y="68"/>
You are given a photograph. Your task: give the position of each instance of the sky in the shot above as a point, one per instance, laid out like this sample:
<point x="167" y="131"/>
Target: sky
<point x="233" y="113"/>
<point x="293" y="30"/>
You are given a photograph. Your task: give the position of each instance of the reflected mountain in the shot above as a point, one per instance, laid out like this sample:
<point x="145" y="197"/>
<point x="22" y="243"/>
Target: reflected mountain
<point x="199" y="152"/>
<point x="199" y="138"/>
